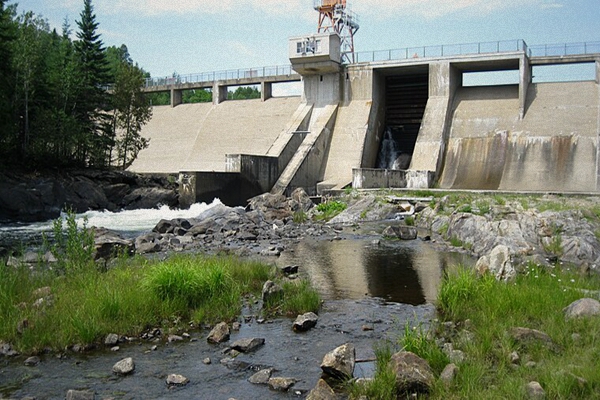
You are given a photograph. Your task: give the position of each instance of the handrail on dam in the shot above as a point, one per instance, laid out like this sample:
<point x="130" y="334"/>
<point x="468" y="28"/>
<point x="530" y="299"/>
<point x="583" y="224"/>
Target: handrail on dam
<point x="445" y="50"/>
<point x="246" y="73"/>
<point x="564" y="49"/>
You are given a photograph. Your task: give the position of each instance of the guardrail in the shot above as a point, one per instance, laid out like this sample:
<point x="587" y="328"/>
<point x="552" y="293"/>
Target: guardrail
<point x="564" y="49"/>
<point x="445" y="50"/>
<point x="247" y="73"/>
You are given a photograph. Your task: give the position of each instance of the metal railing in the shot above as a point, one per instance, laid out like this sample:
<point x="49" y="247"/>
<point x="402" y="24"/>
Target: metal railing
<point x="564" y="49"/>
<point x="234" y="74"/>
<point x="446" y="50"/>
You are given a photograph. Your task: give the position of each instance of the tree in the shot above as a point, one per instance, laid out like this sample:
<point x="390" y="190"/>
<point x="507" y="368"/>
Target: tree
<point x="243" y="93"/>
<point x="28" y="61"/>
<point x="96" y="138"/>
<point x="7" y="38"/>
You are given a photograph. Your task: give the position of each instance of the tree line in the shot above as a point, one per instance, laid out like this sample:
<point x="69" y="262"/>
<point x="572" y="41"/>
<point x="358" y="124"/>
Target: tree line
<point x="56" y="108"/>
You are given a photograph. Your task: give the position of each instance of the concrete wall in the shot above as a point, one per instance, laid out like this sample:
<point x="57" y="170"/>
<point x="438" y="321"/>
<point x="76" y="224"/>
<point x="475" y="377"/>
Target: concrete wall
<point x="428" y="155"/>
<point x="232" y="189"/>
<point x="553" y="147"/>
<point x="371" y="178"/>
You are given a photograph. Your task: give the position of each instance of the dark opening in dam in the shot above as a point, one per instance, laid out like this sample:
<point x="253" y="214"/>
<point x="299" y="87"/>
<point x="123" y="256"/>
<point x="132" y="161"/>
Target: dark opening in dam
<point x="405" y="100"/>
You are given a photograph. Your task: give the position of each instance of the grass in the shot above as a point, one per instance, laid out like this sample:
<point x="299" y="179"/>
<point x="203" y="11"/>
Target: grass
<point x="329" y="209"/>
<point x="135" y="296"/>
<point x="489" y="309"/>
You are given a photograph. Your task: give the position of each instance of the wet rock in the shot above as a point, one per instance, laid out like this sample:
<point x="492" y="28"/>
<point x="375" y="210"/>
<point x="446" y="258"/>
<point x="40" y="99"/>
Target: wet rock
<point x="402" y="232"/>
<point x="339" y="363"/>
<point x="290" y="270"/>
<point x="281" y="384"/>
<point x="32" y="361"/>
<point x="322" y="391"/>
<point x="80" y="395"/>
<point x="413" y="374"/>
<point x="177" y="380"/>
<point x="535" y="390"/>
<point x="582" y="308"/>
<point x="305" y="322"/>
<point x="449" y="373"/>
<point x="248" y="344"/>
<point x="261" y="377"/>
<point x="271" y="292"/>
<point x="111" y="339"/>
<point x="124" y="367"/>
<point x="219" y="334"/>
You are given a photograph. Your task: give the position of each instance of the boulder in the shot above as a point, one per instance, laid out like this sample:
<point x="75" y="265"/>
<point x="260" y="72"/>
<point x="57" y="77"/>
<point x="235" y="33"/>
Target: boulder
<point x="177" y="380"/>
<point x="449" y="373"/>
<point x="109" y="244"/>
<point x="248" y="344"/>
<point x="402" y="232"/>
<point x="219" y="334"/>
<point x="271" y="292"/>
<point x="124" y="367"/>
<point x="535" y="390"/>
<point x="498" y="263"/>
<point x="322" y="391"/>
<point x="413" y="374"/>
<point x="261" y="377"/>
<point x="7" y="350"/>
<point x="281" y="384"/>
<point x="300" y="201"/>
<point x="32" y="361"/>
<point x="111" y="339"/>
<point x="582" y="308"/>
<point x="305" y="322"/>
<point x="150" y="197"/>
<point x="339" y="363"/>
<point x="527" y="336"/>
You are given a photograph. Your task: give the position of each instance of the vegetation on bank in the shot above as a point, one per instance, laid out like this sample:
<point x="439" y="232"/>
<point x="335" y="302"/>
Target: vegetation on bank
<point x="483" y="311"/>
<point x="80" y="303"/>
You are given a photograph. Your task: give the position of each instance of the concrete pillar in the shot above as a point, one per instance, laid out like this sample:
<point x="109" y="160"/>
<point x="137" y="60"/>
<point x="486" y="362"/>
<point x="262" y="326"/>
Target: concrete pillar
<point x="598" y="71"/>
<point x="524" y="81"/>
<point x="219" y="93"/>
<point x="266" y="90"/>
<point x="598" y="129"/>
<point x="176" y="97"/>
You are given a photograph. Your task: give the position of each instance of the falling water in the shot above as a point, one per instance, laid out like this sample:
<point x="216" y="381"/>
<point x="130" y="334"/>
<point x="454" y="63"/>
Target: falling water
<point x="390" y="155"/>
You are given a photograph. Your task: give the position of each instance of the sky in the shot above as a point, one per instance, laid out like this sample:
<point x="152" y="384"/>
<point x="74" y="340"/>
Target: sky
<point x="192" y="36"/>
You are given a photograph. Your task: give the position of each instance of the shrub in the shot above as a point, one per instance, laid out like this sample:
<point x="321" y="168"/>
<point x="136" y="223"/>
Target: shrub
<point x="329" y="209"/>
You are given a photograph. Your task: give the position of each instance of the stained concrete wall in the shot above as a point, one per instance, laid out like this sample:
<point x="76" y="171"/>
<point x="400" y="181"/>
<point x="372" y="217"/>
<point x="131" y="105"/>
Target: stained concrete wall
<point x="371" y="178"/>
<point x="553" y="147"/>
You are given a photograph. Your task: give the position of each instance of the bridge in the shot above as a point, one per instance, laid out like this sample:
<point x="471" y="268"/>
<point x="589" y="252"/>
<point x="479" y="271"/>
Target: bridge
<point x="520" y="136"/>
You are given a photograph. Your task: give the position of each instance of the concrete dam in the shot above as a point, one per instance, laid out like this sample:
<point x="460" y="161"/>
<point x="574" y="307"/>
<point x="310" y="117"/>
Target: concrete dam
<point x="519" y="136"/>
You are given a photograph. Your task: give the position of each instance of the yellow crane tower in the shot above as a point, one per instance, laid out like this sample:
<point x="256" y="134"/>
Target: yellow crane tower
<point x="335" y="16"/>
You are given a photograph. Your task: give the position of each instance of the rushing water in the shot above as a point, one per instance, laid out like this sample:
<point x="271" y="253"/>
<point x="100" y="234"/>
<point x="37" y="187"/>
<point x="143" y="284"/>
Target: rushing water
<point x="371" y="287"/>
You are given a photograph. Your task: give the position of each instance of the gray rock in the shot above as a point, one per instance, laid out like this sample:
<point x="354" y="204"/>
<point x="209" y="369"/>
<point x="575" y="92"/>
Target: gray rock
<point x="305" y="322"/>
<point x="498" y="263"/>
<point x="111" y="339"/>
<point x="42" y="292"/>
<point x="413" y="374"/>
<point x="535" y="390"/>
<point x="32" y="361"/>
<point x="80" y="395"/>
<point x="124" y="367"/>
<point x="219" y="334"/>
<point x="7" y="350"/>
<point x="322" y="391"/>
<point x="449" y="373"/>
<point x="207" y="361"/>
<point x="290" y="270"/>
<point x="339" y="363"/>
<point x="527" y="336"/>
<point x="514" y="358"/>
<point x="271" y="292"/>
<point x="177" y="380"/>
<point x="248" y="344"/>
<point x="582" y="308"/>
<point x="281" y="384"/>
<point x="174" y="338"/>
<point x="109" y="244"/>
<point x="402" y="232"/>
<point x="261" y="377"/>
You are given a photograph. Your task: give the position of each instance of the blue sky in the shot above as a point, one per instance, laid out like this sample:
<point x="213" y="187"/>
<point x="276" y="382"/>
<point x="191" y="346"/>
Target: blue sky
<point x="190" y="36"/>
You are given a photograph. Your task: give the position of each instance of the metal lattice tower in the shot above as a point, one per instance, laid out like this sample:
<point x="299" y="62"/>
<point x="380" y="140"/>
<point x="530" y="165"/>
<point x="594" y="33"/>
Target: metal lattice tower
<point x="335" y="16"/>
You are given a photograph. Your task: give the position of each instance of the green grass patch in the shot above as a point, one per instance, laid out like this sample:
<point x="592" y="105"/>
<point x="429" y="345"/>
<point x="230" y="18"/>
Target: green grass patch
<point x="329" y="209"/>
<point x="535" y="300"/>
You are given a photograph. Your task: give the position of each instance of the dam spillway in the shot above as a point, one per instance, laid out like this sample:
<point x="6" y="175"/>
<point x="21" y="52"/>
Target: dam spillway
<point x="518" y="136"/>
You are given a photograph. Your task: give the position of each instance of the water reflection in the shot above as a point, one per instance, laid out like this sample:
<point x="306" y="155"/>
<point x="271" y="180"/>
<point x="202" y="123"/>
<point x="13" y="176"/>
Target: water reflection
<point x="402" y="272"/>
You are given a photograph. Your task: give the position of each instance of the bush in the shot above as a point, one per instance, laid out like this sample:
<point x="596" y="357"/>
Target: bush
<point x="330" y="209"/>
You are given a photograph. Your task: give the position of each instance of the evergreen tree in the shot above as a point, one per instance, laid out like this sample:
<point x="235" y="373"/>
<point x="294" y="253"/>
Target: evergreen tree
<point x="96" y="138"/>
<point x="7" y="37"/>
